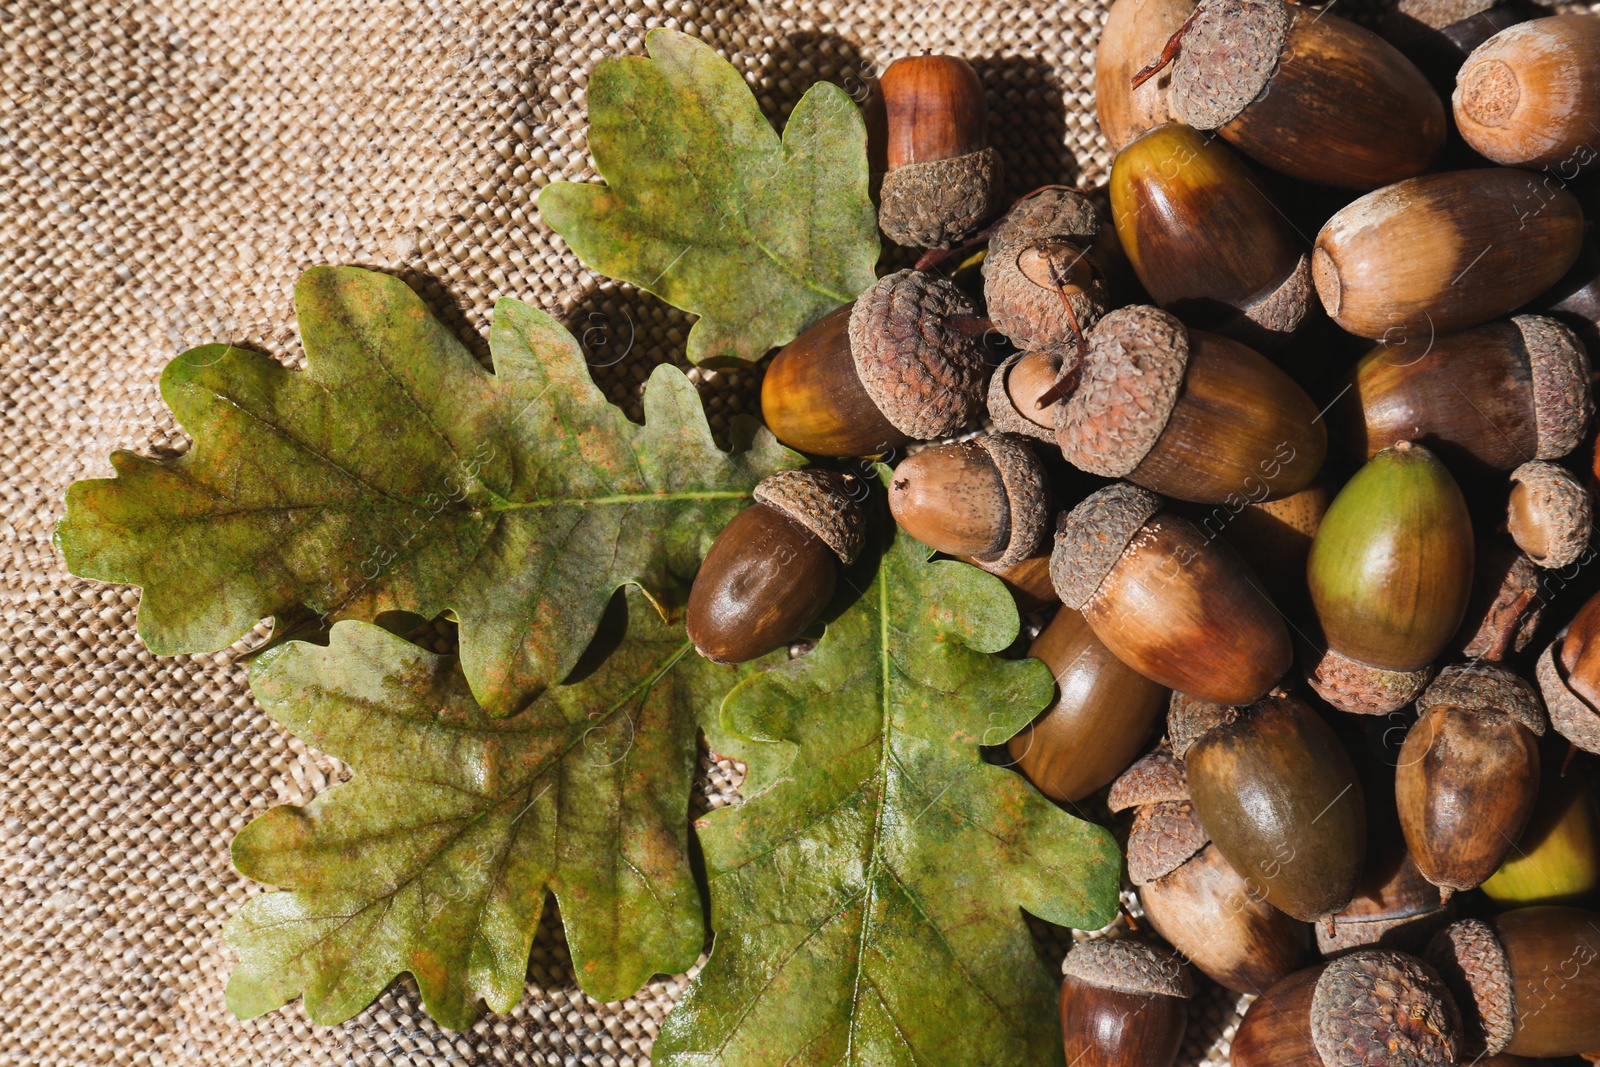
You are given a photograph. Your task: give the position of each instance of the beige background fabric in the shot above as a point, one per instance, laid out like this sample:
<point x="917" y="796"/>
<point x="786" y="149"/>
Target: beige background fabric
<point x="166" y="172"/>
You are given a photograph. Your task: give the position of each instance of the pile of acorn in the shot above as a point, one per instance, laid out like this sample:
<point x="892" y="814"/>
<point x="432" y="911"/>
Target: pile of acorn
<point x="1366" y="754"/>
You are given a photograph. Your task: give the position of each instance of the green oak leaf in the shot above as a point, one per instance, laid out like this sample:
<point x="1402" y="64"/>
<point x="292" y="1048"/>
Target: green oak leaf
<point x="867" y="897"/>
<point x="705" y="207"/>
<point x="396" y="474"/>
<point x="436" y="856"/>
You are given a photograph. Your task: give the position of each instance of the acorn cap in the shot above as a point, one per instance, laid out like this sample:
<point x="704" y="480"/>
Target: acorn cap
<point x="1380" y="1008"/>
<point x="1280" y="312"/>
<point x="1228" y="56"/>
<point x="1027" y="494"/>
<point x="1438" y="14"/>
<point x="924" y="376"/>
<point x="820" y="501"/>
<point x="1363" y="689"/>
<point x="940" y="203"/>
<point x="1470" y="958"/>
<point x="1129" y="966"/>
<point x="1562" y="403"/>
<point x="1131" y="378"/>
<point x="1151" y="779"/>
<point x="1558" y="494"/>
<point x="1003" y="411"/>
<point x="1030" y="315"/>
<point x="1570" y="714"/>
<point x="1485" y="687"/>
<point x="1163" y="837"/>
<point x="1048" y="214"/>
<point x="1092" y="537"/>
<point x="1189" y="719"/>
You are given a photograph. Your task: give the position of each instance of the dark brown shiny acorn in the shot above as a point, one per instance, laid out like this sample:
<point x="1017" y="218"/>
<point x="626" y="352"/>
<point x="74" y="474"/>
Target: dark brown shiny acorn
<point x="900" y="364"/>
<point x="1438" y="35"/>
<point x="1187" y="413"/>
<point x="1207" y="243"/>
<point x="1557" y="859"/>
<point x="1374" y="1007"/>
<point x="1527" y="95"/>
<point x="1306" y="93"/>
<point x="1135" y="30"/>
<point x="1468" y="773"/>
<point x="772" y="570"/>
<point x="1390" y="572"/>
<point x="941" y="180"/>
<point x="1123" y="1004"/>
<point x="1528" y="981"/>
<point x="1434" y="255"/>
<point x="1549" y="514"/>
<point x="1191" y="895"/>
<point x="1276" y="790"/>
<point x="1497" y="395"/>
<point x="1507" y="603"/>
<point x="1042" y="282"/>
<point x="1103" y="713"/>
<point x="1569" y="677"/>
<point x="984" y="497"/>
<point x="1176" y="606"/>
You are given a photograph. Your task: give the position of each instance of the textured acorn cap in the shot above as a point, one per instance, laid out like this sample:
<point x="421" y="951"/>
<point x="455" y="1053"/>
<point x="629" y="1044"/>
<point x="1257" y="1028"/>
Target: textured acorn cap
<point x="1163" y="837"/>
<point x="925" y="377"/>
<point x="1131" y="378"/>
<point x="1048" y="214"/>
<point x="1280" y="312"/>
<point x="1092" y="537"/>
<point x="1151" y="779"/>
<point x="821" y="502"/>
<point x="1129" y="966"/>
<point x="1228" y="56"/>
<point x="1363" y="689"/>
<point x="1031" y="315"/>
<point x="1570" y="714"/>
<point x="1485" y="687"/>
<point x="1003" y="411"/>
<point x="1380" y="1008"/>
<point x="1470" y="958"/>
<point x="1027" y="494"/>
<point x="1438" y="14"/>
<point x="1189" y="719"/>
<point x="1562" y="403"/>
<point x="1560" y="496"/>
<point x="940" y="203"/>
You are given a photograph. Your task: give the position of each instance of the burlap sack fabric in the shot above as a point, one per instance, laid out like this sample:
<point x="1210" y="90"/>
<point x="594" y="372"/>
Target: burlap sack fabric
<point x="166" y="172"/>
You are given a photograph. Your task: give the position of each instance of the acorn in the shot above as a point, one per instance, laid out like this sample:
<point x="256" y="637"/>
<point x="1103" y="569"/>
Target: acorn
<point x="1374" y="1007"/>
<point x="1568" y="673"/>
<point x="1438" y="35"/>
<point x="1103" y="713"/>
<point x="1192" y="896"/>
<point x="1306" y="93"/>
<point x="1028" y="581"/>
<point x="1134" y="31"/>
<point x="1177" y="607"/>
<point x="1506" y="606"/>
<point x="1527" y="981"/>
<point x="941" y="179"/>
<point x="1207" y="243"/>
<point x="1526" y="95"/>
<point x="983" y="497"/>
<point x="1042" y="283"/>
<point x="1468" y="773"/>
<point x="1020" y="400"/>
<point x="900" y="364"/>
<point x="1434" y="255"/>
<point x="772" y="569"/>
<point x="1275" y="536"/>
<point x="1276" y="791"/>
<point x="1557" y="859"/>
<point x="1123" y="1004"/>
<point x="1390" y="571"/>
<point x="1549" y="514"/>
<point x="1187" y="413"/>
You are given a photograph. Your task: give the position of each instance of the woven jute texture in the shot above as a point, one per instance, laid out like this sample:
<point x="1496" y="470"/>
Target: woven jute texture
<point x="166" y="172"/>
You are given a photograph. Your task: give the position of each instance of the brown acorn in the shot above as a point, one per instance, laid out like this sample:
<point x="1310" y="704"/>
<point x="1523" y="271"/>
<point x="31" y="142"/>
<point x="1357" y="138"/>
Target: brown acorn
<point x="1123" y="1004"/>
<point x="772" y="570"/>
<point x="900" y="364"/>
<point x="1526" y="95"/>
<point x="1527" y="981"/>
<point x="1374" y="1007"/>
<point x="1275" y="536"/>
<point x="1568" y="673"/>
<point x="1468" y="773"/>
<point x="1016" y="390"/>
<point x="1103" y="713"/>
<point x="1134" y="31"/>
<point x="1187" y="413"/>
<point x="1179" y="608"/>
<point x="1507" y="603"/>
<point x="1306" y="93"/>
<point x="1207" y="243"/>
<point x="1191" y="895"/>
<point x="1434" y="255"/>
<point x="1497" y="395"/>
<point x="1276" y="791"/>
<point x="1549" y="514"/>
<point x="941" y="179"/>
<point x="1042" y="282"/>
<point x="983" y="497"/>
<point x="1028" y="581"/>
<point x="1438" y="35"/>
